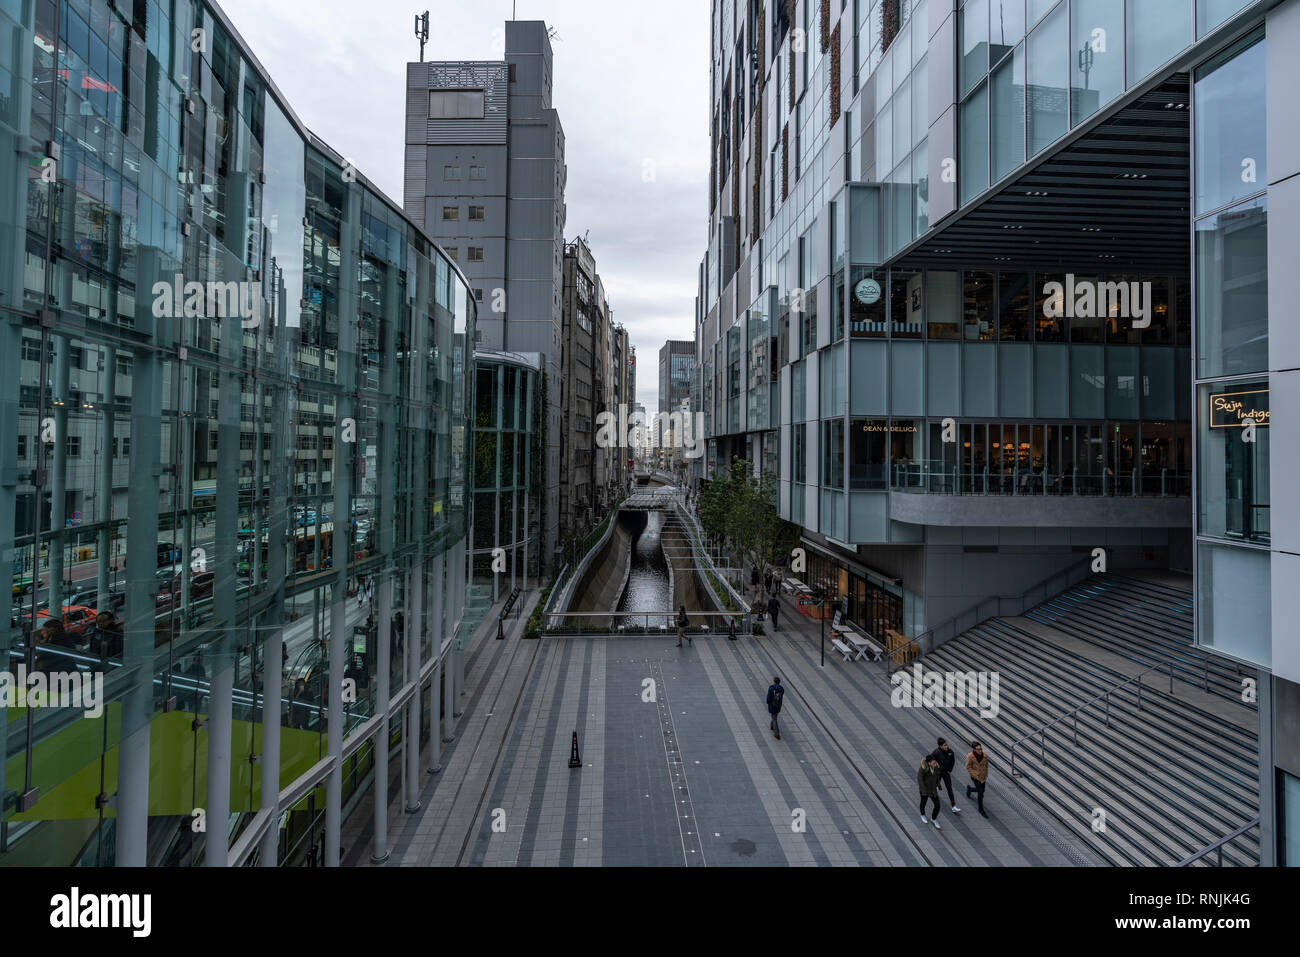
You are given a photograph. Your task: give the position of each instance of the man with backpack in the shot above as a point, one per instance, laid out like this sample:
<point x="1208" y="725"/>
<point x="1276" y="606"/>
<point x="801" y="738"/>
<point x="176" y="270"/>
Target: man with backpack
<point x="775" y="696"/>
<point x="683" y="623"/>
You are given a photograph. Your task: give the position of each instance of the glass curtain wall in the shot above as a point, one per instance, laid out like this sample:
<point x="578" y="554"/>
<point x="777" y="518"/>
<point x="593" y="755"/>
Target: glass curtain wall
<point x="235" y="398"/>
<point x="1232" y="392"/>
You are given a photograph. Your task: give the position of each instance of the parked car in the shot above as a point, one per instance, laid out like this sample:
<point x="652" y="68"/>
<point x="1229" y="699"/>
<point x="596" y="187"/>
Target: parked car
<point x="200" y="587"/>
<point x="90" y="598"/>
<point x="76" y="619"/>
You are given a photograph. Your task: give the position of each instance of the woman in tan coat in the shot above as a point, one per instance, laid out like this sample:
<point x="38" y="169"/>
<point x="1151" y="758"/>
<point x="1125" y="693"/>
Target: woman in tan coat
<point x="977" y="766"/>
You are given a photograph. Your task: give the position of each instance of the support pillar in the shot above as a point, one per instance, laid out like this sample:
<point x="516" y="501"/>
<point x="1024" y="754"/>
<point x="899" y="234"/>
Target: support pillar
<point x="272" y="710"/>
<point x="415" y="601"/>
<point x="216" y="850"/>
<point x="384" y="664"/>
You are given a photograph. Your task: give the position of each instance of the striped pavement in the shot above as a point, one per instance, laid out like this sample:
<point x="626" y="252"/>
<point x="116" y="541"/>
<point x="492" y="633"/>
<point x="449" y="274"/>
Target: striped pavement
<point x="681" y="769"/>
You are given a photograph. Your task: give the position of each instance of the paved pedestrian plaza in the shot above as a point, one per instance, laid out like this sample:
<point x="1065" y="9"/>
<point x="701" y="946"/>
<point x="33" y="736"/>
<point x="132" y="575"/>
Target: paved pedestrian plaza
<point x="679" y="767"/>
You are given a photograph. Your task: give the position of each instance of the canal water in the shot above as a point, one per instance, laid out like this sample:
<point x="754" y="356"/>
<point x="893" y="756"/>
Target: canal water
<point x="647" y="584"/>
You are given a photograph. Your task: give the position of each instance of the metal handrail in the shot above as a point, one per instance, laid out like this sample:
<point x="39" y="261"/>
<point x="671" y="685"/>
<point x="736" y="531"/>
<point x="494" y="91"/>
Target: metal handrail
<point x="951" y="623"/>
<point x="1218" y="845"/>
<point x="1074" y="712"/>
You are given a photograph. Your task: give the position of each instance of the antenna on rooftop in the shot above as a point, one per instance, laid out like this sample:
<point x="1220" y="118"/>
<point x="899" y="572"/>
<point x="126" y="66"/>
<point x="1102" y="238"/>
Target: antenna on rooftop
<point x="422" y="31"/>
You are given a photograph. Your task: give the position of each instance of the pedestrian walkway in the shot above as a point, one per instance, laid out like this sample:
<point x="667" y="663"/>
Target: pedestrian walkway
<point x="679" y="767"/>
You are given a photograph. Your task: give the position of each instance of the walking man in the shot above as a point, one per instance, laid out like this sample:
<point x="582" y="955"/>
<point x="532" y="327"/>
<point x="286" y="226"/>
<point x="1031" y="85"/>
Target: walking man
<point x="977" y="765"/>
<point x="775" y="695"/>
<point x="767" y="583"/>
<point x="927" y="777"/>
<point x="946" y="759"/>
<point x="773" y="609"/>
<point x="683" y="622"/>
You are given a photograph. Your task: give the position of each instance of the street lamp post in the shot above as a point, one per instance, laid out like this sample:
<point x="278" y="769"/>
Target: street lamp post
<point x="820" y="594"/>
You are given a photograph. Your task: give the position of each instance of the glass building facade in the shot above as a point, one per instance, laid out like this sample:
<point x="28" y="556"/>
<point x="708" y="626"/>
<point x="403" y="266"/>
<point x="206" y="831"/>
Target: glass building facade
<point x="508" y="473"/>
<point x="233" y="434"/>
<point x="906" y="196"/>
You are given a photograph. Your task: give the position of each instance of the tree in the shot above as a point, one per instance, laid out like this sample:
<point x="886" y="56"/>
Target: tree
<point x="741" y="508"/>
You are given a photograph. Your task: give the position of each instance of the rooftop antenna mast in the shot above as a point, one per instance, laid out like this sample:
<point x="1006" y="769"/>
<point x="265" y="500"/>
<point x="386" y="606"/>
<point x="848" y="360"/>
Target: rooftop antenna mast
<point x="422" y="31"/>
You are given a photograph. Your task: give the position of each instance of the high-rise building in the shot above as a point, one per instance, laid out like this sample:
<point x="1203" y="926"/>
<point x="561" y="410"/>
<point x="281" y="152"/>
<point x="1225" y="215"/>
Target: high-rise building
<point x="676" y="362"/>
<point x="987" y="287"/>
<point x="620" y="404"/>
<point x="485" y="176"/>
<point x="235" y="394"/>
<point x="583" y="386"/>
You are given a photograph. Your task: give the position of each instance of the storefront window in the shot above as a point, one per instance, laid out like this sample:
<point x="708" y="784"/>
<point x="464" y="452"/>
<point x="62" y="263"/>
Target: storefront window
<point x="868" y="454"/>
<point x="905" y="303"/>
<point x="1233" y="491"/>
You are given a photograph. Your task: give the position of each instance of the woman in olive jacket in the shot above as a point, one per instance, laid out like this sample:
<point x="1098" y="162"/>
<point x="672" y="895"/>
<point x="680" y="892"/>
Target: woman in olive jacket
<point x="927" y="776"/>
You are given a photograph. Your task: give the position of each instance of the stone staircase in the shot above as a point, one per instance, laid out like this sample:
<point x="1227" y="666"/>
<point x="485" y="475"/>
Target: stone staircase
<point x="1169" y="774"/>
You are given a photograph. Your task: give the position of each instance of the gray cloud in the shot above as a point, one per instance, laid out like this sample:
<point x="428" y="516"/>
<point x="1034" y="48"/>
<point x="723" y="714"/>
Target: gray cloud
<point x="632" y="89"/>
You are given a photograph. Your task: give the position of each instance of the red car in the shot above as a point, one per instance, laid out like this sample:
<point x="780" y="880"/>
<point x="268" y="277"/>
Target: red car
<point x="76" y="619"/>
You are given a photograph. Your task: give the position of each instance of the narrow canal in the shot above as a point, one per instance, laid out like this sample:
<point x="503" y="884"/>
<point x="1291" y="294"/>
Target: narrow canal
<point x="647" y="584"/>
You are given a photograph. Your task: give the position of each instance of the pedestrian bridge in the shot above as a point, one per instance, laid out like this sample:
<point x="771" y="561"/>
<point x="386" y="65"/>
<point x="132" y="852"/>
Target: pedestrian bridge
<point x="649" y="498"/>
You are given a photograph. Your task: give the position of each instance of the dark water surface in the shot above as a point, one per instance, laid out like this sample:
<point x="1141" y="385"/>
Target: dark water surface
<point x="647" y="585"/>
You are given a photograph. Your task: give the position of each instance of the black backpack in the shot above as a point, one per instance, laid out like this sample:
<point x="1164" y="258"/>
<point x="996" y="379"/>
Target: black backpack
<point x="777" y="694"/>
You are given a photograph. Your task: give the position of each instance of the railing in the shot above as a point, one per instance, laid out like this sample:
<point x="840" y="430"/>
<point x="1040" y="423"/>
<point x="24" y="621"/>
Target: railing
<point x="705" y="560"/>
<point x="1218" y="845"/>
<point x="993" y="607"/>
<point x="937" y="477"/>
<point x="619" y="623"/>
<point x="1041" y="733"/>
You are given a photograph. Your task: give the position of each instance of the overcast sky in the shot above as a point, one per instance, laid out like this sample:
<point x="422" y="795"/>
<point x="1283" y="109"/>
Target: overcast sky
<point x="632" y="90"/>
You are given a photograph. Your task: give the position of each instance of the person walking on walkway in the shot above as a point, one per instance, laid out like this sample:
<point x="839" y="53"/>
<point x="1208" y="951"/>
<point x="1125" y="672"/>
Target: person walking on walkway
<point x="946" y="758"/>
<point x="977" y="765"/>
<point x="773" y="609"/>
<point x="767" y="583"/>
<point x="775" y="697"/>
<point x="683" y="622"/>
<point x="927" y="777"/>
<point x="754" y="580"/>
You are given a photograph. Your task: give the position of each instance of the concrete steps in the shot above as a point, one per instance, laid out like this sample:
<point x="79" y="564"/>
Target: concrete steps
<point x="1170" y="774"/>
<point x="1147" y="621"/>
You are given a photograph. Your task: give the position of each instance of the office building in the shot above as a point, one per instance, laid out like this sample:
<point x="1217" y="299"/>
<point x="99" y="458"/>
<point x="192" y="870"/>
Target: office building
<point x="236" y="394"/>
<point x="485" y="176"/>
<point x="987" y="286"/>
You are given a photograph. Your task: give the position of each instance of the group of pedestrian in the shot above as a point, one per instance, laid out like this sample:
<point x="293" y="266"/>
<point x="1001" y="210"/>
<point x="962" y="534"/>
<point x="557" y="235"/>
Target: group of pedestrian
<point x="936" y="770"/>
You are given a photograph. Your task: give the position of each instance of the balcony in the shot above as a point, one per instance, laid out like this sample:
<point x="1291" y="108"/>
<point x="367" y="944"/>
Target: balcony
<point x="938" y="493"/>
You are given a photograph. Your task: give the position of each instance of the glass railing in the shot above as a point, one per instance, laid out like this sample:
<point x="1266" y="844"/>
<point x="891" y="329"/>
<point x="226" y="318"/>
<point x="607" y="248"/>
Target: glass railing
<point x="942" y="478"/>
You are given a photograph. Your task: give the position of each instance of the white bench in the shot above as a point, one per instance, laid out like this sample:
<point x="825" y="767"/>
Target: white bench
<point x="843" y="649"/>
<point x="863" y="645"/>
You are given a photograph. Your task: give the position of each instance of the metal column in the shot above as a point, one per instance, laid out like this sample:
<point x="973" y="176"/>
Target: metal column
<point x="415" y="599"/>
<point x="384" y="623"/>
